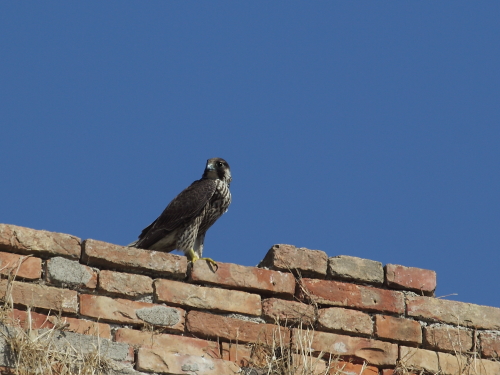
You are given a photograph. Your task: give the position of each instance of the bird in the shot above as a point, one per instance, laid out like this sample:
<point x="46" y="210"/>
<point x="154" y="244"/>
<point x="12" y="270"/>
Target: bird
<point x="185" y="221"/>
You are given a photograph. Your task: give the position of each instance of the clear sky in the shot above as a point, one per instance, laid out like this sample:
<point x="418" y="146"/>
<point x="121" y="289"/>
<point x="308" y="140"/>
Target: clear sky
<point x="360" y="128"/>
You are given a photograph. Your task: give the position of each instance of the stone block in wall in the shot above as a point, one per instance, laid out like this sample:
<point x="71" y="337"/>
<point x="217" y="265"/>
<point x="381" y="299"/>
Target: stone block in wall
<point x="70" y="273"/>
<point x="410" y="278"/>
<point x="398" y="329"/>
<point x="214" y="326"/>
<point x="41" y="296"/>
<point x="337" y="293"/>
<point x="222" y="300"/>
<point x="41" y="243"/>
<point x="375" y="352"/>
<point x="453" y="312"/>
<point x="490" y="344"/>
<point x="167" y="342"/>
<point x="251" y="279"/>
<point x="483" y="367"/>
<point x="337" y="319"/>
<point x="350" y="268"/>
<point x="124" y="311"/>
<point x="125" y="284"/>
<point x="20" y="266"/>
<point x="159" y="361"/>
<point x="292" y="312"/>
<point x="131" y="259"/>
<point x="301" y="261"/>
<point x="448" y="338"/>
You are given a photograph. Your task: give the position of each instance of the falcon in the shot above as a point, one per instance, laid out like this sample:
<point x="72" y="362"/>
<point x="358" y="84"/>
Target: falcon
<point x="185" y="221"/>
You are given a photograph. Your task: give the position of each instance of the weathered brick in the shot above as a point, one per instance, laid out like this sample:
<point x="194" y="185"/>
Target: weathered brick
<point x="304" y="364"/>
<point x="391" y="371"/>
<point x="357" y="269"/>
<point x="158" y="360"/>
<point x="348" y="368"/>
<point x="399" y="329"/>
<point x="274" y="309"/>
<point x="419" y="359"/>
<point x="336" y="293"/>
<point x="288" y="258"/>
<point x="166" y="342"/>
<point x="445" y="337"/>
<point x="182" y="294"/>
<point x="39" y="321"/>
<point x="244" y="278"/>
<point x="490" y="344"/>
<point x="453" y="312"/>
<point x="375" y="352"/>
<point x="241" y="331"/>
<point x="44" y="297"/>
<point x="21" y="240"/>
<point x="26" y="267"/>
<point x="453" y="364"/>
<point x="484" y="367"/>
<point x="125" y="284"/>
<point x="64" y="272"/>
<point x="97" y="253"/>
<point x="345" y="320"/>
<point x="410" y="278"/>
<point x="237" y="353"/>
<point x="131" y="312"/>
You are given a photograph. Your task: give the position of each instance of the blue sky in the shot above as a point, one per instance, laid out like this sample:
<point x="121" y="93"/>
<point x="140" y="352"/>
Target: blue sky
<point x="362" y="128"/>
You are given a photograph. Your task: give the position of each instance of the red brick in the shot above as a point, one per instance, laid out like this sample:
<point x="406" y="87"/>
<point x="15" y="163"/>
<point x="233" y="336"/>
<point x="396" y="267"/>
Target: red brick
<point x="22" y="319"/>
<point x="125" y="284"/>
<point x="182" y="294"/>
<point x="348" y="368"/>
<point x="336" y="293"/>
<point x="125" y="311"/>
<point x="250" y="279"/>
<point x="41" y="243"/>
<point x="288" y="258"/>
<point x="445" y="337"/>
<point x="410" y="278"/>
<point x="391" y="371"/>
<point x="419" y="359"/>
<point x="345" y="320"/>
<point x="304" y="364"/>
<point x="26" y="267"/>
<point x="453" y="312"/>
<point x="490" y="344"/>
<point x="274" y="309"/>
<point x="240" y="331"/>
<point x="375" y="352"/>
<point x="39" y="321"/>
<point x="44" y="297"/>
<point x="158" y="360"/>
<point x="237" y="353"/>
<point x="484" y="367"/>
<point x="131" y="259"/>
<point x="399" y="329"/>
<point x="170" y="343"/>
<point x="453" y="364"/>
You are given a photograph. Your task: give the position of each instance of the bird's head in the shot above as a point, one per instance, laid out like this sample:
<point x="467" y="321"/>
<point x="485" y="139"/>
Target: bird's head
<point x="217" y="168"/>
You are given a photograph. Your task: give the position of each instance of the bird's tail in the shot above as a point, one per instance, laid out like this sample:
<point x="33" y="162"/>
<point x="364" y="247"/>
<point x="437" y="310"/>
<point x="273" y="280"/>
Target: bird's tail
<point x="133" y="244"/>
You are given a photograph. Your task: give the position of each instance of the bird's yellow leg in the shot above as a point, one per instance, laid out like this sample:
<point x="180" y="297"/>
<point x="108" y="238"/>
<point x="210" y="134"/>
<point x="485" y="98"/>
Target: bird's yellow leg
<point x="193" y="257"/>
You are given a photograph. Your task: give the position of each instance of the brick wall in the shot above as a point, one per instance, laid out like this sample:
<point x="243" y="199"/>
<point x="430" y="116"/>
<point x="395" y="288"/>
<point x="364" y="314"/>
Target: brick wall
<point x="156" y="314"/>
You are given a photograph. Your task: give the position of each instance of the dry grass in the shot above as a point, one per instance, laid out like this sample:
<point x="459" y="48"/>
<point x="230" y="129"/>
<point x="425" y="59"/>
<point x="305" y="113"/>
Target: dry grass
<point x="36" y="352"/>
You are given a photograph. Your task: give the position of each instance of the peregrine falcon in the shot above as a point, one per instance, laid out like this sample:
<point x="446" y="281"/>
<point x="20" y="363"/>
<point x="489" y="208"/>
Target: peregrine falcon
<point x="183" y="224"/>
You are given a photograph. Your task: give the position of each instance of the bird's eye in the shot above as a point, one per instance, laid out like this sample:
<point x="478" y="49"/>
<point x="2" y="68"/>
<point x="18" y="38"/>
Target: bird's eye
<point x="219" y="164"/>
